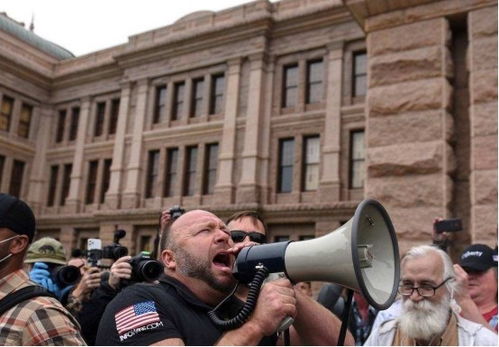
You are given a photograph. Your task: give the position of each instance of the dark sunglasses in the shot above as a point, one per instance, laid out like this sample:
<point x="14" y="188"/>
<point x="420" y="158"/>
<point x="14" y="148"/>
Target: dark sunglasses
<point x="240" y="235"/>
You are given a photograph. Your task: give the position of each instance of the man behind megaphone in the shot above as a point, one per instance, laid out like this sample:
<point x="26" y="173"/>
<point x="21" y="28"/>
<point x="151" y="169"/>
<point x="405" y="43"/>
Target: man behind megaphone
<point x="199" y="254"/>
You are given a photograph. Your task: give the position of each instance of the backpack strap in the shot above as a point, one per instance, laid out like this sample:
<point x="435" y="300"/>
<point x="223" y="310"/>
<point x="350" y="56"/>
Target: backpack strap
<point x="21" y="295"/>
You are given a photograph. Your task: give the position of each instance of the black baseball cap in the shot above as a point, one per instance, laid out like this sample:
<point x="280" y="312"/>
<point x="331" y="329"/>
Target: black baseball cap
<point x="478" y="257"/>
<point x="17" y="216"/>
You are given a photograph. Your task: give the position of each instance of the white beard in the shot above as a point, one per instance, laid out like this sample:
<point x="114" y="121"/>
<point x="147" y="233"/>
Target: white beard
<point x="423" y="320"/>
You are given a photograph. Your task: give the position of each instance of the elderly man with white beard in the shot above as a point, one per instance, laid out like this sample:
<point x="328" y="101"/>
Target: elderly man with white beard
<point x="427" y="287"/>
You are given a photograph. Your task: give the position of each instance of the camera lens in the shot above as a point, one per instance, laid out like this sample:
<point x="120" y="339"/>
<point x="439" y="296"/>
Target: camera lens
<point x="149" y="270"/>
<point x="66" y="275"/>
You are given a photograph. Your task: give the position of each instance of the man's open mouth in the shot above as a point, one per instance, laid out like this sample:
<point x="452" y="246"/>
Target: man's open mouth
<point x="223" y="259"/>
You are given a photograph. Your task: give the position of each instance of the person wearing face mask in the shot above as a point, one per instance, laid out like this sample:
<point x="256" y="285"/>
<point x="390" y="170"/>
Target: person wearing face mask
<point x="40" y="320"/>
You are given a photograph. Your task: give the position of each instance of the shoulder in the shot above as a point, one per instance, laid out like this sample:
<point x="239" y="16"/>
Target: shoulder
<point x="383" y="335"/>
<point x="47" y="320"/>
<point x="475" y="333"/>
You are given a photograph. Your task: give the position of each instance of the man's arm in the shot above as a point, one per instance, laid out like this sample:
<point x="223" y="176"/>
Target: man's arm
<point x="315" y="325"/>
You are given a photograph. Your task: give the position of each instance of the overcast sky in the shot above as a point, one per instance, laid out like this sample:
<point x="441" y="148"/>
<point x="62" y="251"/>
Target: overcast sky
<point x="90" y="25"/>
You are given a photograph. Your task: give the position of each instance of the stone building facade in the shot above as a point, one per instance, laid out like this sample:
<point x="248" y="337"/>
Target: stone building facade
<point x="262" y="106"/>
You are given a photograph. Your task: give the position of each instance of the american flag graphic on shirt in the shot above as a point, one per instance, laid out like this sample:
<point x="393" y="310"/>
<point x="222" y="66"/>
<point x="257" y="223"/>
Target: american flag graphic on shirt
<point x="136" y="316"/>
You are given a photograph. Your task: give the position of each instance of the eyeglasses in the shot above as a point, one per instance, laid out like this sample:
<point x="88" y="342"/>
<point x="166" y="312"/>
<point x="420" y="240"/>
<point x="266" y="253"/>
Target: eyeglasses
<point x="425" y="290"/>
<point x="240" y="235"/>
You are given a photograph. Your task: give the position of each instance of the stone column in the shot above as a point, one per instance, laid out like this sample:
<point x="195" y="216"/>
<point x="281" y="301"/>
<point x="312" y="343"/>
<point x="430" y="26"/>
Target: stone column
<point x="249" y="188"/>
<point x="483" y="123"/>
<point x="16" y="115"/>
<point x="113" y="195"/>
<point x="224" y="188"/>
<point x="329" y="186"/>
<point x="131" y="194"/>
<point x="41" y="133"/>
<point x="409" y="160"/>
<point x="73" y="202"/>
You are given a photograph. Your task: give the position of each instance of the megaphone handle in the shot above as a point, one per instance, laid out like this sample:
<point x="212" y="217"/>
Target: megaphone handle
<point x="345" y="318"/>
<point x="285" y="324"/>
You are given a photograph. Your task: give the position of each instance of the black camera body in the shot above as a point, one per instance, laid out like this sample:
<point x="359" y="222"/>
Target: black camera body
<point x="176" y="211"/>
<point x="144" y="268"/>
<point x="115" y="250"/>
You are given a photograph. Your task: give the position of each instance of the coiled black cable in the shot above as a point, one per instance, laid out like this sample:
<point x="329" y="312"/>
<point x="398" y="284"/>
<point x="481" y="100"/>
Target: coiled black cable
<point x="248" y="307"/>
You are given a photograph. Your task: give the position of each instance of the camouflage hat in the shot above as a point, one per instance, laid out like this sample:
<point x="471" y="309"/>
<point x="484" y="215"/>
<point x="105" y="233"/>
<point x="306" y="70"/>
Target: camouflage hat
<point x="46" y="250"/>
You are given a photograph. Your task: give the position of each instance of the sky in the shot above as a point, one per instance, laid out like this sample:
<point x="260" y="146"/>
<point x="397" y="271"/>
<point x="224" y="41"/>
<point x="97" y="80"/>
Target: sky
<point x="87" y="26"/>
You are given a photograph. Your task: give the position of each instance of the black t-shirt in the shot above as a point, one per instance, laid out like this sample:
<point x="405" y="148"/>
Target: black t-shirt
<point x="143" y="314"/>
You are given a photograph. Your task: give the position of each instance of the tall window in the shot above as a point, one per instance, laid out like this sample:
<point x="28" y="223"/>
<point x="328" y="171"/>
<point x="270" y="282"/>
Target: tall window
<point x="152" y="173"/>
<point x="217" y="93"/>
<point x="210" y="168"/>
<point x="66" y="182"/>
<point x="73" y="127"/>
<point x="359" y="72"/>
<point x="92" y="181"/>
<point x="2" y="164"/>
<point x="6" y="112"/>
<point x="106" y="178"/>
<point x="159" y="104"/>
<point x="145" y="243"/>
<point x="100" y="113"/>
<point x="54" y="172"/>
<point x="314" y="82"/>
<point x="171" y="171"/>
<point x="16" y="178"/>
<point x="25" y="120"/>
<point x="311" y="151"/>
<point x="197" y="97"/>
<point x="61" y="123"/>
<point x="178" y="100"/>
<point x="190" y="170"/>
<point x="290" y="85"/>
<point x="286" y="158"/>
<point x="357" y="158"/>
<point x="113" y="120"/>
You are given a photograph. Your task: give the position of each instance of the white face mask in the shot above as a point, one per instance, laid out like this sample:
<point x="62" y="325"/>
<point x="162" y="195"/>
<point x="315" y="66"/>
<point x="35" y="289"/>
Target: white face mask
<point x="10" y="254"/>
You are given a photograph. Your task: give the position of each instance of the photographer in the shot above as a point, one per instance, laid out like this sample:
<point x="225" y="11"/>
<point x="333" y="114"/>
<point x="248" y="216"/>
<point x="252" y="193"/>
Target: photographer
<point x="107" y="288"/>
<point x="48" y="259"/>
<point x="125" y="270"/>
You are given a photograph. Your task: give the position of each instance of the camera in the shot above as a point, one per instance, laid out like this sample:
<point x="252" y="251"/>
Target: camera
<point x="176" y="211"/>
<point x="64" y="275"/>
<point x="115" y="250"/>
<point x="449" y="225"/>
<point x="144" y="268"/>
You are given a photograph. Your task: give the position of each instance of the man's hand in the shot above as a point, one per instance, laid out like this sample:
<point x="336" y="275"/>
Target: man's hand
<point x="89" y="281"/>
<point x="276" y="301"/>
<point x="166" y="219"/>
<point x="121" y="269"/>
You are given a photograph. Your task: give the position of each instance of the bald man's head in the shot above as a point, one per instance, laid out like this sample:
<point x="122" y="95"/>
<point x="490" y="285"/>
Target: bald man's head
<point x="170" y="235"/>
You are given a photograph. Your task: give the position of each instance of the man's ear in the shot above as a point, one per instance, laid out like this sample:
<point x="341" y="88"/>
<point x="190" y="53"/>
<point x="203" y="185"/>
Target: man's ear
<point x="19" y="244"/>
<point x="168" y="258"/>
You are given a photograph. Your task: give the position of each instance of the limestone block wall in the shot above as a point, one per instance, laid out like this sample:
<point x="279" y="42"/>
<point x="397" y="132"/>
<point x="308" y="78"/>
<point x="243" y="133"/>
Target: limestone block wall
<point x="483" y="111"/>
<point x="408" y="125"/>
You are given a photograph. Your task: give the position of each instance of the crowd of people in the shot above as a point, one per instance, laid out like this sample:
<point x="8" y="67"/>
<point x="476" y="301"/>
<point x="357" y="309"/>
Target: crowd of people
<point x="48" y="299"/>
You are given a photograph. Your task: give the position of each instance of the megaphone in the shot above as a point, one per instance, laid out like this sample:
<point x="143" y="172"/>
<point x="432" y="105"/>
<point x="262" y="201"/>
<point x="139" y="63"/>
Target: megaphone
<point x="361" y="255"/>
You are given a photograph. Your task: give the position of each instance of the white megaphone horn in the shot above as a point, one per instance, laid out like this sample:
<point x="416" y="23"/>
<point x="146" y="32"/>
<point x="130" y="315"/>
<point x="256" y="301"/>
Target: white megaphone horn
<point x="361" y="255"/>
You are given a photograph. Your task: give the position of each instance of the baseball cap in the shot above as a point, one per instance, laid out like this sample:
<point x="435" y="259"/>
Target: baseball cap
<point x="17" y="216"/>
<point x="478" y="257"/>
<point x="46" y="250"/>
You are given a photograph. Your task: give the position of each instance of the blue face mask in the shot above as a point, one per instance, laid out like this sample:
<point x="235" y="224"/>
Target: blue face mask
<point x="10" y="254"/>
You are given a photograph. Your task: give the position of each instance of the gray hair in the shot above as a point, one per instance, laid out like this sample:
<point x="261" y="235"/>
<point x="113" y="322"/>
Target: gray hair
<point x="421" y="251"/>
